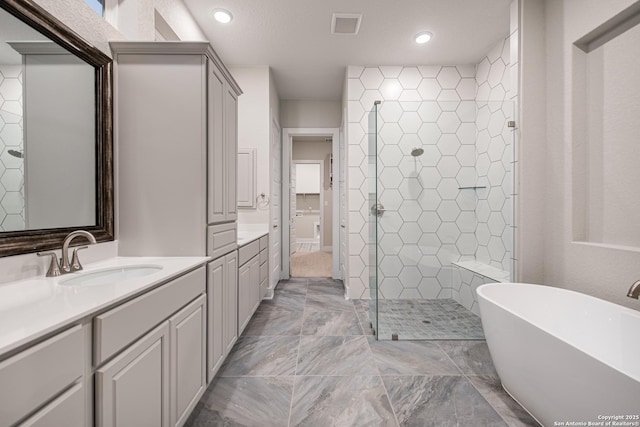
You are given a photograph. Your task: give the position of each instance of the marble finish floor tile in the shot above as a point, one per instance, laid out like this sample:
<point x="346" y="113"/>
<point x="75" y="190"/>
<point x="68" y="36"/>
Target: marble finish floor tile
<point x="330" y="323"/>
<point x="292" y="284"/>
<point x="472" y="357"/>
<point x="273" y="321"/>
<point x="327" y="281"/>
<point x="328" y="302"/>
<point x="334" y="356"/>
<point x="361" y="305"/>
<point x="411" y="358"/>
<point x="439" y="401"/>
<point x="290" y="299"/>
<point x="362" y="311"/>
<point x="321" y="289"/>
<point x="340" y="401"/>
<point x="242" y="402"/>
<point x="335" y="376"/>
<point x="261" y="356"/>
<point x="326" y="285"/>
<point x="514" y="414"/>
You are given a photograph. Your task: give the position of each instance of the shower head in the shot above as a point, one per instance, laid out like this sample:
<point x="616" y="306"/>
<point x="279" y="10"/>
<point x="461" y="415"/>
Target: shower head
<point x="15" y="153"/>
<point x="416" y="152"/>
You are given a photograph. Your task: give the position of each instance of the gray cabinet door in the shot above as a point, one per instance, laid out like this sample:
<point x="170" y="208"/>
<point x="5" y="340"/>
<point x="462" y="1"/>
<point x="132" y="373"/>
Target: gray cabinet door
<point x="230" y="296"/>
<point x="231" y="147"/>
<point x="188" y="359"/>
<point x="216" y="147"/>
<point x="215" y="321"/>
<point x="133" y="389"/>
<point x="244" y="296"/>
<point x="255" y="285"/>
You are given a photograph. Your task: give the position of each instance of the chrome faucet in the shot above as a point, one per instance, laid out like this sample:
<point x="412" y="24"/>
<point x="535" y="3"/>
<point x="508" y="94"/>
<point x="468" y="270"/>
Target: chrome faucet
<point x="634" y="290"/>
<point x="64" y="267"/>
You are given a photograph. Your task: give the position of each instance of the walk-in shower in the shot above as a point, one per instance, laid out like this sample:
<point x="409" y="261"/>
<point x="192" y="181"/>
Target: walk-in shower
<point x="440" y="207"/>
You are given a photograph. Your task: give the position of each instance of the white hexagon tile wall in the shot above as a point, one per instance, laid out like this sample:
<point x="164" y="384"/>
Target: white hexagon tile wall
<point x="11" y="166"/>
<point x="458" y="115"/>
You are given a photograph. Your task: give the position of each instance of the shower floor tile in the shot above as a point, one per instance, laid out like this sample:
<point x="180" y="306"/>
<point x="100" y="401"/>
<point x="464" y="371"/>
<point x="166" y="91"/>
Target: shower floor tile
<point x="423" y="319"/>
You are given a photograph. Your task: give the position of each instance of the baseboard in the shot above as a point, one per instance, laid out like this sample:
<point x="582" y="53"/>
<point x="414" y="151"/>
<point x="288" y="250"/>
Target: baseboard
<point x="327" y="249"/>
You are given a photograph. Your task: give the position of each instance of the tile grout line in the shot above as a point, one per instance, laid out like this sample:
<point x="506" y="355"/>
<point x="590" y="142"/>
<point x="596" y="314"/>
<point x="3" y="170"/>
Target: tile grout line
<point x="486" y="400"/>
<point x="384" y="387"/>
<point x="449" y="357"/>
<point x="359" y="320"/>
<point x="471" y="382"/>
<point x="295" y="376"/>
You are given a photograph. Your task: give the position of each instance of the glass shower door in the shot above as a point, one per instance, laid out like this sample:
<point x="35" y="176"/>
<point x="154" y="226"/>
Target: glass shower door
<point x="372" y="158"/>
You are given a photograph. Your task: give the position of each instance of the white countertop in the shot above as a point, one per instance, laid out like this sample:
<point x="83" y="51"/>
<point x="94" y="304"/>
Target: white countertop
<point x="248" y="236"/>
<point x="34" y="307"/>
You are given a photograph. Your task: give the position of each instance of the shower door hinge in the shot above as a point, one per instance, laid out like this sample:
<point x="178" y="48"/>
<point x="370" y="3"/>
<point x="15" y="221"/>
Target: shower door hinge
<point x="511" y="123"/>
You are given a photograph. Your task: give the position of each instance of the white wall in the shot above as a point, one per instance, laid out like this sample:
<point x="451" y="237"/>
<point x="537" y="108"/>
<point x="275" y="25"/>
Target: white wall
<point x="87" y="23"/>
<point x="310" y="114"/>
<point x="590" y="268"/>
<point x="256" y="107"/>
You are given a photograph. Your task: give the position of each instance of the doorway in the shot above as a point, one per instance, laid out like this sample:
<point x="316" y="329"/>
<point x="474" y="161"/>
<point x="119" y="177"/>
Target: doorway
<point x="312" y="216"/>
<point x="310" y="203"/>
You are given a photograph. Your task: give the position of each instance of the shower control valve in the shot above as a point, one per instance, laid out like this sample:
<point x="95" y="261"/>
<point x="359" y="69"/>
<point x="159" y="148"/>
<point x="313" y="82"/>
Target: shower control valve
<point x="377" y="210"/>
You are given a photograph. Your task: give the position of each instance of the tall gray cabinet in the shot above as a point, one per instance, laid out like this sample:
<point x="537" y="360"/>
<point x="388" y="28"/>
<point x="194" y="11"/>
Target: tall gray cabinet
<point x="176" y="125"/>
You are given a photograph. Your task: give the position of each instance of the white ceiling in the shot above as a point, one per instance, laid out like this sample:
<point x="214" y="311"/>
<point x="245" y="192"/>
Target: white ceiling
<point x="308" y="62"/>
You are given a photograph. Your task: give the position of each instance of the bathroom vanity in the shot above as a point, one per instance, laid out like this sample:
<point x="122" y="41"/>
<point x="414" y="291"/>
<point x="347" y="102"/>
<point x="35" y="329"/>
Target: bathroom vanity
<point x="123" y="343"/>
<point x="253" y="273"/>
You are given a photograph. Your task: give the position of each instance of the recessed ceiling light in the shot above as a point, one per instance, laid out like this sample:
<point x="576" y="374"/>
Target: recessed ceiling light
<point x="422" y="38"/>
<point x="221" y="15"/>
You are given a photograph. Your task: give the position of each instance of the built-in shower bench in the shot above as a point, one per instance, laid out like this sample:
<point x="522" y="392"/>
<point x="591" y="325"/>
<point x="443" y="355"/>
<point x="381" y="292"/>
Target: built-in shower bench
<point x="468" y="275"/>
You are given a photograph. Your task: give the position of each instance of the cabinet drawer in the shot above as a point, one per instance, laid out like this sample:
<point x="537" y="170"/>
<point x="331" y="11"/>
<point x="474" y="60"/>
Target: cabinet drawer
<point x="221" y="239"/>
<point x="264" y="242"/>
<point x="119" y="327"/>
<point x="264" y="271"/>
<point x="30" y="378"/>
<point x="248" y="251"/>
<point x="264" y="256"/>
<point x="65" y="411"/>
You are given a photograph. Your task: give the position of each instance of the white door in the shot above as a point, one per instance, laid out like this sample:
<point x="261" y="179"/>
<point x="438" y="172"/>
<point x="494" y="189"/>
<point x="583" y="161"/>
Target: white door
<point x="275" y="237"/>
<point x="292" y="198"/>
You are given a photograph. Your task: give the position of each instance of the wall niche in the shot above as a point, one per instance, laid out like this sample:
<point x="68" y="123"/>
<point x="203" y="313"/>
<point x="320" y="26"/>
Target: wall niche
<point x="606" y="133"/>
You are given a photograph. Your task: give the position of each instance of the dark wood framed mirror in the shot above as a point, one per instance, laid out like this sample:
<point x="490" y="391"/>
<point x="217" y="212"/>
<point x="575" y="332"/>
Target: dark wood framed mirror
<point x="44" y="188"/>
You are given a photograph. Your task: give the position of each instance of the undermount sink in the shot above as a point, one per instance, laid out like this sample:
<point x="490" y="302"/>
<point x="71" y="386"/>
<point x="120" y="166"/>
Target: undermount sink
<point x="110" y="275"/>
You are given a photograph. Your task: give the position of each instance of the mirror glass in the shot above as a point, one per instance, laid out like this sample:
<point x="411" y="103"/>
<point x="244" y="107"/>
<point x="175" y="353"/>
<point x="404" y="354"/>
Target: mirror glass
<point x="48" y="127"/>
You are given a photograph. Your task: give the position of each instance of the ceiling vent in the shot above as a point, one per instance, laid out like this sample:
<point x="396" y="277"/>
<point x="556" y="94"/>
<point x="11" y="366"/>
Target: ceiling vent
<point x="346" y="23"/>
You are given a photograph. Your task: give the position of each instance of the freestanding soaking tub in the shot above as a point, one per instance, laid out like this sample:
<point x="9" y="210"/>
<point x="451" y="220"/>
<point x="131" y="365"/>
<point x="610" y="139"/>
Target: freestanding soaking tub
<point x="564" y="356"/>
